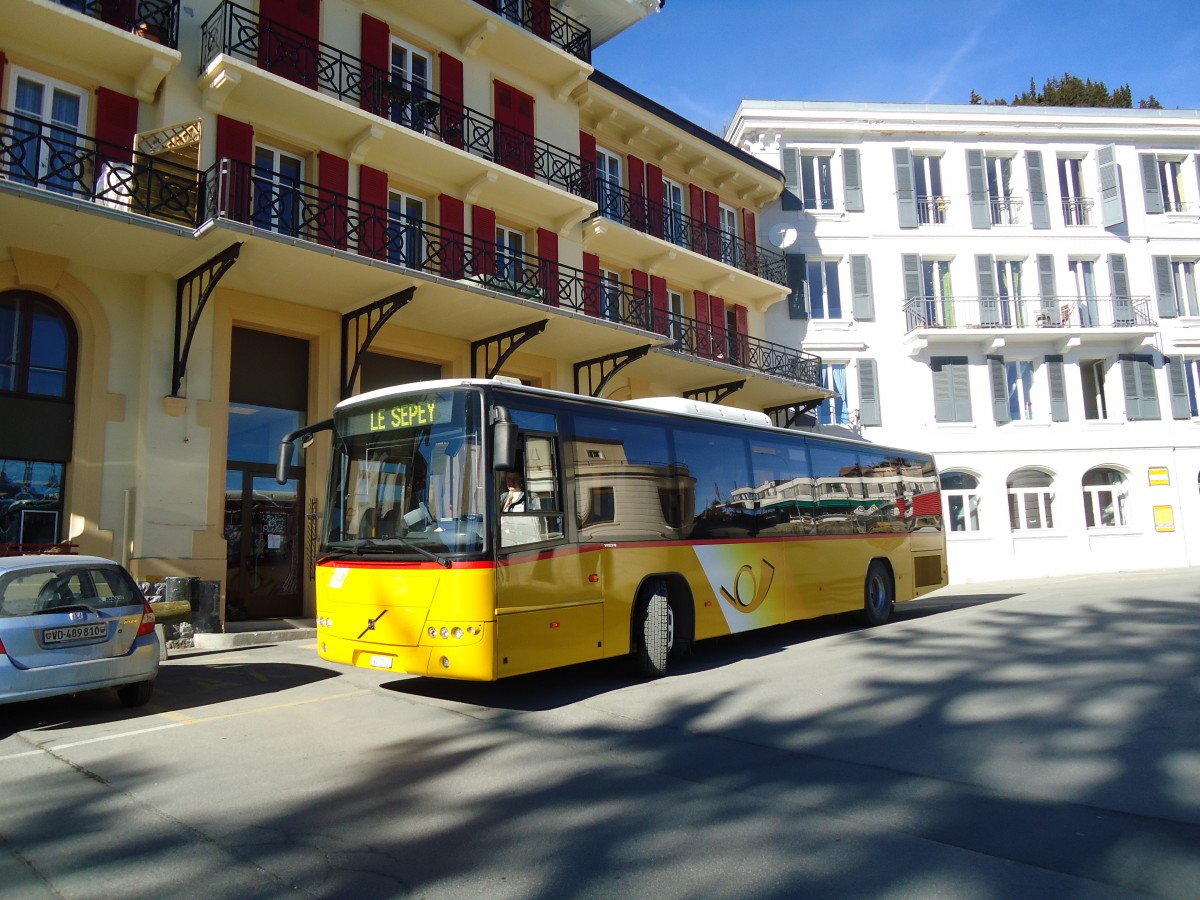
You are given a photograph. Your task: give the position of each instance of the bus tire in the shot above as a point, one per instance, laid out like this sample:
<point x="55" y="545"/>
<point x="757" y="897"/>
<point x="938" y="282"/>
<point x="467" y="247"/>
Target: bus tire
<point x="654" y="631"/>
<point x="879" y="594"/>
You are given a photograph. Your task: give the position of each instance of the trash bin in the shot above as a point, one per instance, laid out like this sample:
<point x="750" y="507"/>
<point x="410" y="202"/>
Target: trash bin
<point x="206" y="606"/>
<point x="181" y="587"/>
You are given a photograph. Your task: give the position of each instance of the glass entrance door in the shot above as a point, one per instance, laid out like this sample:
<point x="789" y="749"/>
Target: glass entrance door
<point x="264" y="534"/>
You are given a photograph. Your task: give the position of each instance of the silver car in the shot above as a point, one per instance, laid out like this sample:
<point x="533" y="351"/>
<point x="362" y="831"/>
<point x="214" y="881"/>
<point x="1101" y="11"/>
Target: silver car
<point x="71" y="624"/>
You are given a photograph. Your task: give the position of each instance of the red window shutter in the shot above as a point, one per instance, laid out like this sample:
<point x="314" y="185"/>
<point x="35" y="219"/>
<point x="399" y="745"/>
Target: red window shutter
<point x="376" y="66"/>
<point x="452" y="213"/>
<point x="640" y="284"/>
<point x="654" y="199"/>
<point x="373" y="211"/>
<point x="541" y="18"/>
<point x="333" y="180"/>
<point x="703" y="326"/>
<point x="712" y="218"/>
<point x="696" y="211"/>
<point x="116" y="124"/>
<point x="235" y="143"/>
<point x="743" y="337"/>
<point x="749" y="231"/>
<point x="637" y="193"/>
<point x="483" y="241"/>
<point x="591" y="284"/>
<point x="720" y="332"/>
<point x="658" y="291"/>
<point x="291" y="49"/>
<point x="451" y="83"/>
<point x="548" y="265"/>
<point x="587" y="155"/>
<point x="513" y="110"/>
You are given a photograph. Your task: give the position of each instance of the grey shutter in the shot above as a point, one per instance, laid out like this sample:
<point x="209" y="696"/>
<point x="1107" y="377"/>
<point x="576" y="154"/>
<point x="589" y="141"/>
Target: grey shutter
<point x="951" y="389"/>
<point x="913" y="307"/>
<point x="1112" y="205"/>
<point x="1122" y="302"/>
<point x="1058" y="388"/>
<point x="1045" y="266"/>
<point x="1150" y="185"/>
<point x="797" y="279"/>
<point x="852" y="179"/>
<point x="791" y="169"/>
<point x="989" y="299"/>
<point x="981" y="207"/>
<point x="1177" y="378"/>
<point x="860" y="285"/>
<point x="1164" y="286"/>
<point x="1039" y="209"/>
<point x="868" y="393"/>
<point x="1141" y="396"/>
<point x="999" y="381"/>
<point x="906" y="197"/>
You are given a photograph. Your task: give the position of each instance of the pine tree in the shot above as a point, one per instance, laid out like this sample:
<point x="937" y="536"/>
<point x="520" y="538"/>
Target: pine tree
<point x="1071" y="90"/>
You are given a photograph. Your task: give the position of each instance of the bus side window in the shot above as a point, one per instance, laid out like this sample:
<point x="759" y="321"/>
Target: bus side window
<point x="530" y="503"/>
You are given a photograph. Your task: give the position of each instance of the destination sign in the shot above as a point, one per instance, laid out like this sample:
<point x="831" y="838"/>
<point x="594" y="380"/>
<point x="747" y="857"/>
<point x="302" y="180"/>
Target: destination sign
<point x="393" y="415"/>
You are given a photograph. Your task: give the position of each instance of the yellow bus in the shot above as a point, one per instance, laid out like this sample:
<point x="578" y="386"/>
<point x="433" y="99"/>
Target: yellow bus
<point x="477" y="529"/>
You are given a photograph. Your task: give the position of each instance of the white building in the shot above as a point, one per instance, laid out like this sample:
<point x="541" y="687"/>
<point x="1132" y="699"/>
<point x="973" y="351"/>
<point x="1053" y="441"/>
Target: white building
<point x="1013" y="288"/>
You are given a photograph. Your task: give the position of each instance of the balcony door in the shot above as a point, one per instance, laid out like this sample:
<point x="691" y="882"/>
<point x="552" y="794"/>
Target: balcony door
<point x="45" y="133"/>
<point x="289" y="35"/>
<point x="278" y="201"/>
<point x="514" y="128"/>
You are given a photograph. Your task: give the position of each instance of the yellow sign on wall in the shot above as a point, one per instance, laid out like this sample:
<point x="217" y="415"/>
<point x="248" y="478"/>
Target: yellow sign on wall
<point x="1159" y="475"/>
<point x="1164" y="518"/>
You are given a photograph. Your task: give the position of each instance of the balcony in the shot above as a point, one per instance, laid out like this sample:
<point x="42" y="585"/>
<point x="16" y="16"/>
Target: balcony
<point x="540" y="18"/>
<point x="1005" y="210"/>
<point x="364" y="91"/>
<point x="98" y="38"/>
<point x="41" y="156"/>
<point x="695" y="338"/>
<point x="932" y="210"/>
<point x="1067" y="320"/>
<point x="1076" y="211"/>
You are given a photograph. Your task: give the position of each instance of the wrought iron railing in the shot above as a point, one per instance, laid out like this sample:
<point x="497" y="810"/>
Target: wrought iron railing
<point x="44" y="156"/>
<point x="672" y="225"/>
<point x="236" y="31"/>
<point x="717" y="343"/>
<point x="932" y="210"/>
<point x="154" y="20"/>
<point x="1005" y="210"/>
<point x="548" y="23"/>
<point x="1029" y="312"/>
<point x="1076" y="211"/>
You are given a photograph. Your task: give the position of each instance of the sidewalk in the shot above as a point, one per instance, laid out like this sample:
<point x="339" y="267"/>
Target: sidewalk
<point x="250" y="633"/>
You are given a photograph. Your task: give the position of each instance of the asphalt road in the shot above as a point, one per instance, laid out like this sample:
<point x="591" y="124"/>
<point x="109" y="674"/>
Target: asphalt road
<point x="1027" y="739"/>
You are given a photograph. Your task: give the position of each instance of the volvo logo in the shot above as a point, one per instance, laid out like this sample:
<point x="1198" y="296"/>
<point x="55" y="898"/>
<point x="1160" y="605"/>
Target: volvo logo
<point x="371" y="624"/>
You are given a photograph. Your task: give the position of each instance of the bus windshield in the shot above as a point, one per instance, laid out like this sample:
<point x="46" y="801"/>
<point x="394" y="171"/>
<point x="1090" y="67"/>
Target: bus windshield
<point x="408" y="478"/>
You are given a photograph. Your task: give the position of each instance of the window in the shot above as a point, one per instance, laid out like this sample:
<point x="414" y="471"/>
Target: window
<point x="1091" y="371"/>
<point x="411" y="103"/>
<point x="674" y="224"/>
<point x="608" y="185"/>
<point x="939" y="299"/>
<point x="951" y="388"/>
<point x="824" y="292"/>
<point x="1191" y="371"/>
<point x="31" y="502"/>
<point x="1000" y="190"/>
<point x="728" y="218"/>
<point x="816" y="181"/>
<point x="1170" y="184"/>
<point x="405" y="242"/>
<point x="961" y="493"/>
<point x="1141" y="395"/>
<point x="49" y="157"/>
<point x="927" y="183"/>
<point x="278" y="203"/>
<point x="1077" y="210"/>
<point x="1019" y="377"/>
<point x="1030" y="500"/>
<point x="37" y="347"/>
<point x="1008" y="287"/>
<point x="610" y="296"/>
<point x="675" y="324"/>
<point x="1104" y="498"/>
<point x="510" y="253"/>
<point x="1083" y="275"/>
<point x="834" y="410"/>
<point x="1183" y="280"/>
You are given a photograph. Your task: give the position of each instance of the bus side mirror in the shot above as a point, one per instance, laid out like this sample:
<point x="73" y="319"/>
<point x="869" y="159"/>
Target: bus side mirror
<point x="306" y="436"/>
<point x="504" y="442"/>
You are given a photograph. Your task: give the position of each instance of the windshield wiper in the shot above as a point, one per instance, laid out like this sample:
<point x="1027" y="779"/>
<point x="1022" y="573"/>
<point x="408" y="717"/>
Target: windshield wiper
<point x="369" y="544"/>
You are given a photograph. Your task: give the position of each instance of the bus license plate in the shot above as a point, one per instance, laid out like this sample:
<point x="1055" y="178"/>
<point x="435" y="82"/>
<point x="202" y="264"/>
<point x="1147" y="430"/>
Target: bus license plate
<point x="74" y="633"/>
<point x="381" y="662"/>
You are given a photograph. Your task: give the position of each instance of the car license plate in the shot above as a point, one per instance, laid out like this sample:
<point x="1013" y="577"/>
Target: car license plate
<point x="381" y="662"/>
<point x="74" y="633"/>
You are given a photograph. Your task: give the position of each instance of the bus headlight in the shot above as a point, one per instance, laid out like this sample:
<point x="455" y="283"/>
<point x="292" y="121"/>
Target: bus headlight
<point x="457" y="633"/>
<point x="432" y="631"/>
<point x="445" y="632"/>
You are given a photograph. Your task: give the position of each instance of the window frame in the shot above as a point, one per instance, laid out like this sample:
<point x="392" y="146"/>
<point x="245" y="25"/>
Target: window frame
<point x="822" y="302"/>
<point x="971" y="498"/>
<point x="1094" y="504"/>
<point x="1019" y="497"/>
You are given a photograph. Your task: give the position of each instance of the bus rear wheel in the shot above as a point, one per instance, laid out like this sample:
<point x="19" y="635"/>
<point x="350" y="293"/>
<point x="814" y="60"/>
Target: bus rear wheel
<point x="654" y="631"/>
<point x="879" y="594"/>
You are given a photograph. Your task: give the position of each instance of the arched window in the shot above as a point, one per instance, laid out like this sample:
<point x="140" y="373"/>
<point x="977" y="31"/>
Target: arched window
<point x="1104" y="497"/>
<point x="961" y="491"/>
<point x="37" y="388"/>
<point x="37" y="347"/>
<point x="1030" y="500"/>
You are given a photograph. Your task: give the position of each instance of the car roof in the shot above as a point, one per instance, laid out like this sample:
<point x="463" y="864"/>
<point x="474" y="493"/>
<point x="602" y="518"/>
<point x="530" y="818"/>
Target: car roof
<point x="50" y="560"/>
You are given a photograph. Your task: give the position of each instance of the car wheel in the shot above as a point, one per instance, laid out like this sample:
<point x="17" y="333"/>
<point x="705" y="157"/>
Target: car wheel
<point x="879" y="594"/>
<point x="137" y="694"/>
<point x="655" y="632"/>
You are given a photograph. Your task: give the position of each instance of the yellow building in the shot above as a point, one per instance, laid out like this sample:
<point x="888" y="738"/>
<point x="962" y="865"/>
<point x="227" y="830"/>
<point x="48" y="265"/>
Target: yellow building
<point x="217" y="220"/>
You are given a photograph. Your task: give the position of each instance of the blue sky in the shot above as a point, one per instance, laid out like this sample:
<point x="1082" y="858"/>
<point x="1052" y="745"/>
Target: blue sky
<point x="700" y="58"/>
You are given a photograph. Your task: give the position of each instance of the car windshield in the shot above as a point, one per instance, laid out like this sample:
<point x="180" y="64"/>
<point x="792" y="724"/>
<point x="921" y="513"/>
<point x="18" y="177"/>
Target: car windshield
<point x="28" y="592"/>
<point x="408" y="478"/>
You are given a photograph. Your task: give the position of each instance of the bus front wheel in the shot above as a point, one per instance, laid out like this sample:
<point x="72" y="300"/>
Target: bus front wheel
<point x="879" y="594"/>
<point x="654" y="631"/>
